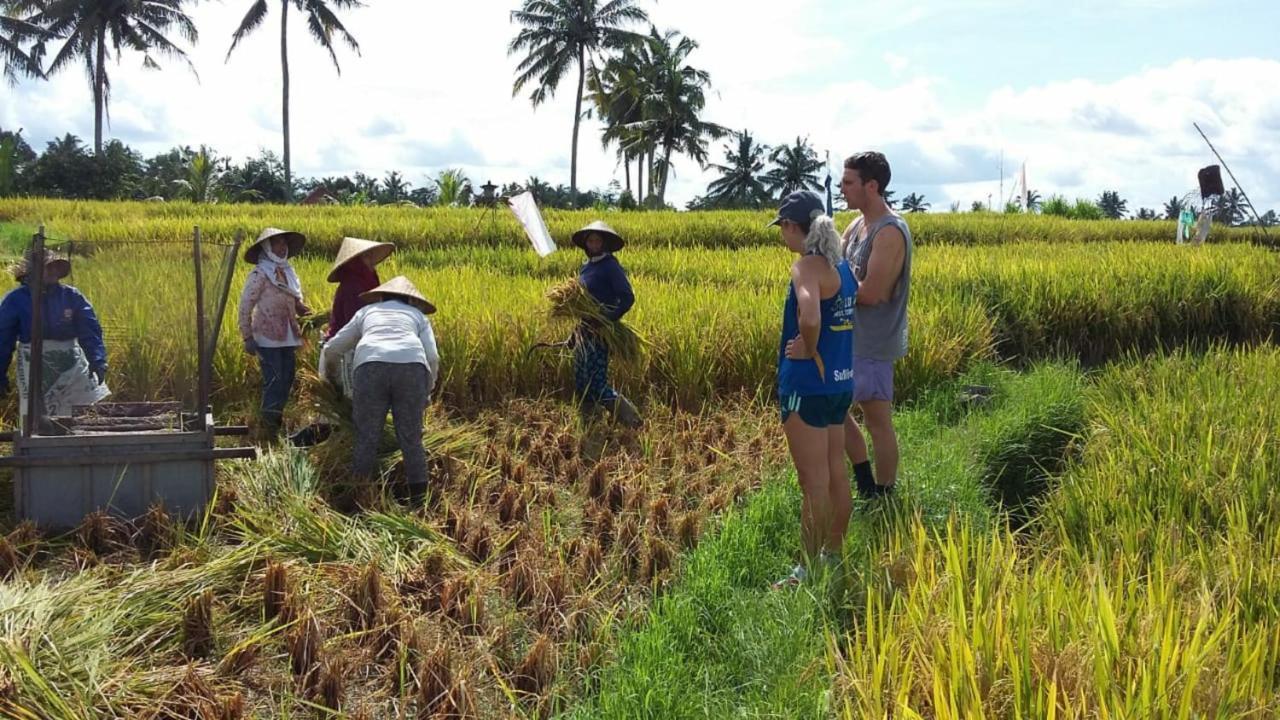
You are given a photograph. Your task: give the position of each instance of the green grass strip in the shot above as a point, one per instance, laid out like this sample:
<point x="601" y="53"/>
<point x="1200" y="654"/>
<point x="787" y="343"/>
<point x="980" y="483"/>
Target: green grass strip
<point x="722" y="644"/>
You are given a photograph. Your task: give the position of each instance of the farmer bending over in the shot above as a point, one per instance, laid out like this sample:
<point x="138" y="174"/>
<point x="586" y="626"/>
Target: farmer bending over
<point x="396" y="365"/>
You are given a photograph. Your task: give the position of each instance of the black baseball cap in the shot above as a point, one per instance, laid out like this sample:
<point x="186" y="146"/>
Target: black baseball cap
<point x="801" y="207"/>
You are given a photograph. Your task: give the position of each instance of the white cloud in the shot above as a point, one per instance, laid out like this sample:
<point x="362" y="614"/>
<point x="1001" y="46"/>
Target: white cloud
<point x="897" y="63"/>
<point x="433" y="90"/>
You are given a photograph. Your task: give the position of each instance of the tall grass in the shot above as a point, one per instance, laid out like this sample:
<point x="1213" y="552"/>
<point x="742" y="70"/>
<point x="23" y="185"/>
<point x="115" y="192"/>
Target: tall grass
<point x="1147" y="587"/>
<point x="712" y="317"/>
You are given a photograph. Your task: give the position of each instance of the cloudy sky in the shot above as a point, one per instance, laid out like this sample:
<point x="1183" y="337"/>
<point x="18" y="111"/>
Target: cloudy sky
<point x="1090" y="94"/>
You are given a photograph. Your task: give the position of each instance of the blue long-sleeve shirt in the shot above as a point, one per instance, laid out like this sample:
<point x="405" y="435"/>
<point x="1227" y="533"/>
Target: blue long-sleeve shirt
<point x="607" y="282"/>
<point x="67" y="316"/>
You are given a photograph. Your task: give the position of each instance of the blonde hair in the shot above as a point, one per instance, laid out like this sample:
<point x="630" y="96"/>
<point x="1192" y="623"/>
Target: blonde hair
<point x="823" y="239"/>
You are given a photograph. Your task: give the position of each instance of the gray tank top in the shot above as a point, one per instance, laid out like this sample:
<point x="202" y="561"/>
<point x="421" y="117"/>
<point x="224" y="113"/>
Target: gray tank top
<point x="880" y="331"/>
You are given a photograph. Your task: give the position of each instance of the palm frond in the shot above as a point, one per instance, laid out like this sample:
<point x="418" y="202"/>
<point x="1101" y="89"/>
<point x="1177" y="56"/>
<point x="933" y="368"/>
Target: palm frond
<point x="252" y="19"/>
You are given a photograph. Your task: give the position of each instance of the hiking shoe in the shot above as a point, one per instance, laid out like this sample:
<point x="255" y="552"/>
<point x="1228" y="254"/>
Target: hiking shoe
<point x="883" y="490"/>
<point x="311" y="435"/>
<point x="865" y="480"/>
<point x="795" y="579"/>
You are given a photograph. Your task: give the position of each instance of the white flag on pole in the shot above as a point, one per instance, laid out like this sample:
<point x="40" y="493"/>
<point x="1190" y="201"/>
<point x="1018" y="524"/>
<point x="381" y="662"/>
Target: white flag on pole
<point x="526" y="211"/>
<point x="1026" y="196"/>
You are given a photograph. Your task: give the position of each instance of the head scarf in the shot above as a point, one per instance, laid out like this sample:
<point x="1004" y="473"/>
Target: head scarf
<point x="279" y="272"/>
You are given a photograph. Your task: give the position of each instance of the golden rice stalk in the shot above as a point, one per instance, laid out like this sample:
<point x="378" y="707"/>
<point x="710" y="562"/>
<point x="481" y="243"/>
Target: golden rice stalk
<point x="571" y="300"/>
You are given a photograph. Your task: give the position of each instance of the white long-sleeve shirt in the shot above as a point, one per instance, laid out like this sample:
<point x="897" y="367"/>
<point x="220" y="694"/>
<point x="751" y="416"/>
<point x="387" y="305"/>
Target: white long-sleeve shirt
<point x="391" y="331"/>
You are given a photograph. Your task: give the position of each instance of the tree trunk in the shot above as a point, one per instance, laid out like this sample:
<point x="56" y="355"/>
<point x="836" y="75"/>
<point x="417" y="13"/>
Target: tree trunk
<point x="626" y="170"/>
<point x="577" y="120"/>
<point x="640" y="179"/>
<point x="284" y="74"/>
<point x="666" y="170"/>
<point x="99" y="88"/>
<point x="653" y="171"/>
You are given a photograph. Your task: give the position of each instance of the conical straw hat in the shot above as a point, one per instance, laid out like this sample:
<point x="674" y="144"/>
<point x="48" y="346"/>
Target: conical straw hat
<point x="295" y="239"/>
<point x="613" y="242"/>
<point x="353" y="248"/>
<point x="51" y="259"/>
<point x="400" y="287"/>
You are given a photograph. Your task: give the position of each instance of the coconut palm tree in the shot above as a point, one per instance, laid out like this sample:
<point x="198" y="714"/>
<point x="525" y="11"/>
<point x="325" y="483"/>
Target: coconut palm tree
<point x="796" y="167"/>
<point x="915" y="203"/>
<point x="560" y="35"/>
<point x="1230" y="208"/>
<point x="1112" y="205"/>
<point x="15" y="60"/>
<point x="394" y="188"/>
<point x="740" y="184"/>
<point x="616" y="93"/>
<point x="324" y="26"/>
<point x="204" y="177"/>
<point x="96" y="31"/>
<point x="1173" y="208"/>
<point x="453" y="188"/>
<point x="675" y="96"/>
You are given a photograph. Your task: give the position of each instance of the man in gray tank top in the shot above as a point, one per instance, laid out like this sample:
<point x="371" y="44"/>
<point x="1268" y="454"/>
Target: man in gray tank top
<point x="878" y="247"/>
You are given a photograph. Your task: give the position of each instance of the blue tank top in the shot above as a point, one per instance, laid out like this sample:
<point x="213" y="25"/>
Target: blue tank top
<point x="831" y="371"/>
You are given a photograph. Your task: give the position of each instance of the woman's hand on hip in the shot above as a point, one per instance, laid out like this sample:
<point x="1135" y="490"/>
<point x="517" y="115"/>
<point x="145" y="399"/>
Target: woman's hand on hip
<point x="797" y="349"/>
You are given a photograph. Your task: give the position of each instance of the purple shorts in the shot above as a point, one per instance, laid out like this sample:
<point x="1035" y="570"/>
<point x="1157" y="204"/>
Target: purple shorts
<point x="872" y="380"/>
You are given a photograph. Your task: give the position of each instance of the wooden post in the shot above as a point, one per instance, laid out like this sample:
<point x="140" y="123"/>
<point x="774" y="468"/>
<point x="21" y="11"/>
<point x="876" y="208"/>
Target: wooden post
<point x="229" y="272"/>
<point x="203" y="360"/>
<point x="35" y="368"/>
<point x="1233" y="179"/>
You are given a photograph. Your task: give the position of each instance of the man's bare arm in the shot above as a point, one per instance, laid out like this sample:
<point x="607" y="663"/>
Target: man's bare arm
<point x="883" y="267"/>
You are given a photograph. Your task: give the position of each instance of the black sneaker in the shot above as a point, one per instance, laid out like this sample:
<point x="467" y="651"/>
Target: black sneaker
<point x="865" y="481"/>
<point x="883" y="490"/>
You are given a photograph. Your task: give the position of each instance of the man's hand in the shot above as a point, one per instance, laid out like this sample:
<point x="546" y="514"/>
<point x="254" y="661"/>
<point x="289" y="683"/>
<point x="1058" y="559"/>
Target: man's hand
<point x="100" y="374"/>
<point x="250" y="346"/>
<point x="797" y="349"/>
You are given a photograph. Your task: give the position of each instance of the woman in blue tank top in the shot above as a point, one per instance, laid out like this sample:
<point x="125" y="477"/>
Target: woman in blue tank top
<point x="815" y="374"/>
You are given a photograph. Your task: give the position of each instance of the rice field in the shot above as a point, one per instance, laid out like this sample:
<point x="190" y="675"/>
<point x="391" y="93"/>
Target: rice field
<point x="1097" y="541"/>
<point x="432" y="228"/>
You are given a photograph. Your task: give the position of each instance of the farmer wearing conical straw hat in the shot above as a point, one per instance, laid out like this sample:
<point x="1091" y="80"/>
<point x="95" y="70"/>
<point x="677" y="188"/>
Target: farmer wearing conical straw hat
<point x="270" y="306"/>
<point x="75" y="358"/>
<point x="604" y="280"/>
<point x="355" y="272"/>
<point x="396" y="365"/>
